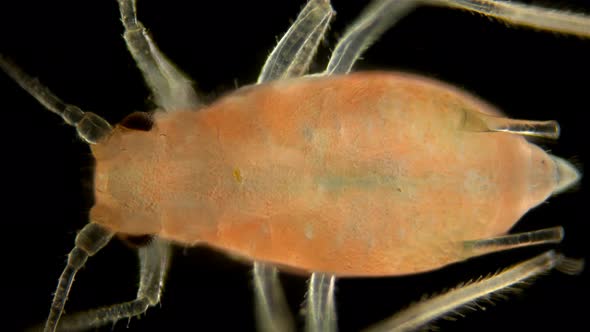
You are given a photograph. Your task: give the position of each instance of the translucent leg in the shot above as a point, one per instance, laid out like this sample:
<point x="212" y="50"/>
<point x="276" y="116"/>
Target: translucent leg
<point x="272" y="312"/>
<point x="291" y="57"/>
<point x="365" y="30"/>
<point x="382" y="14"/>
<point x="171" y="89"/>
<point x="154" y="260"/>
<point x="91" y="127"/>
<point x="89" y="241"/>
<point x="321" y="308"/>
<point x="526" y="15"/>
<point x="428" y="310"/>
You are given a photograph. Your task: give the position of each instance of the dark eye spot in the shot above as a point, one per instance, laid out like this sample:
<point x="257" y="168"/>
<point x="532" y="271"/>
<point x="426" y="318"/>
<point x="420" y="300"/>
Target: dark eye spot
<point x="136" y="241"/>
<point x="138" y="121"/>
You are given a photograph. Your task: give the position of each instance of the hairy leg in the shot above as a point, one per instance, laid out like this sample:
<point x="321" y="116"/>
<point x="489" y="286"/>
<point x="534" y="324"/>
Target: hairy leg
<point x="320" y="304"/>
<point x="272" y="312"/>
<point x="172" y="89"/>
<point x="154" y="259"/>
<point x="89" y="241"/>
<point x="294" y="52"/>
<point x="383" y="14"/>
<point x="421" y="313"/>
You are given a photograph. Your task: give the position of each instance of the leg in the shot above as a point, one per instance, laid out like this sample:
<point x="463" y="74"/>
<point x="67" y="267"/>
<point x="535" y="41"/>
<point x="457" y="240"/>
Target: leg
<point x="291" y="57"/>
<point x="154" y="260"/>
<point x="272" y="312"/>
<point x="90" y="126"/>
<point x="382" y="14"/>
<point x="321" y="308"/>
<point x="525" y="15"/>
<point x="379" y="16"/>
<point x="171" y="89"/>
<point x="421" y="313"/>
<point x="89" y="241"/>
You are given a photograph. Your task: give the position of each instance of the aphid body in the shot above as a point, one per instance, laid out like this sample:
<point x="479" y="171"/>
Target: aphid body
<point x="350" y="175"/>
<point x="332" y="174"/>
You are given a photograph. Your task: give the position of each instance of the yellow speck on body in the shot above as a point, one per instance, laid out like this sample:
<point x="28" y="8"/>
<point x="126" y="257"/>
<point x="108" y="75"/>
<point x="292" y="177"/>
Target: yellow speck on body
<point x="237" y="175"/>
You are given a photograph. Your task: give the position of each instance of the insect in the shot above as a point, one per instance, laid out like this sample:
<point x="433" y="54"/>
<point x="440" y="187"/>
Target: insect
<point x="535" y="116"/>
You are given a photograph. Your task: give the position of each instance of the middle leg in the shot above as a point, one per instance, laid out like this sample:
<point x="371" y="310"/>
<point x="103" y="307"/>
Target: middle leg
<point x="272" y="312"/>
<point x="321" y="306"/>
<point x="293" y="54"/>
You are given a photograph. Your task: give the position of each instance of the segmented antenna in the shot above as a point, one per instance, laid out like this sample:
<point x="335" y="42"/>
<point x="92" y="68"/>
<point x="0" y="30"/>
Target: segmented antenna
<point x="90" y="127"/>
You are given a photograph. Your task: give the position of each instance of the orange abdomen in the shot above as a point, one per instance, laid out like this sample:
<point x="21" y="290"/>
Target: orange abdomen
<point x="363" y="174"/>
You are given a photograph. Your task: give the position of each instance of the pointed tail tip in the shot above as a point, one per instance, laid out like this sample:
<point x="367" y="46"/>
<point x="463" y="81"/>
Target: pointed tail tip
<point x="567" y="175"/>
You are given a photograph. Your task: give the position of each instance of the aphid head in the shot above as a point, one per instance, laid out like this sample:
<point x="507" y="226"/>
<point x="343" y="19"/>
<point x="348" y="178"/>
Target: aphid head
<point x="124" y="178"/>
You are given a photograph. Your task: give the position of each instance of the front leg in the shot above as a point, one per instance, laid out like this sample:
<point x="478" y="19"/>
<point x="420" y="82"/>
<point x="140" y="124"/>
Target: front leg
<point x="154" y="260"/>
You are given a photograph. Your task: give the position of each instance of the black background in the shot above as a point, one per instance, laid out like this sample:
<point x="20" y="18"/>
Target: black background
<point x="76" y="49"/>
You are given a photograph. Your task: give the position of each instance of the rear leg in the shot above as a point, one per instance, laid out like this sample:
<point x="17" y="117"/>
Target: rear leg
<point x="421" y="313"/>
<point x="424" y="312"/>
<point x="171" y="89"/>
<point x="382" y="14"/>
<point x="525" y="15"/>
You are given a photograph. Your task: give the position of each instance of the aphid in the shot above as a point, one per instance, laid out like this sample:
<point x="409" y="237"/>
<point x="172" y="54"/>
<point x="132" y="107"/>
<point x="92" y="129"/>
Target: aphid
<point x="238" y="174"/>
